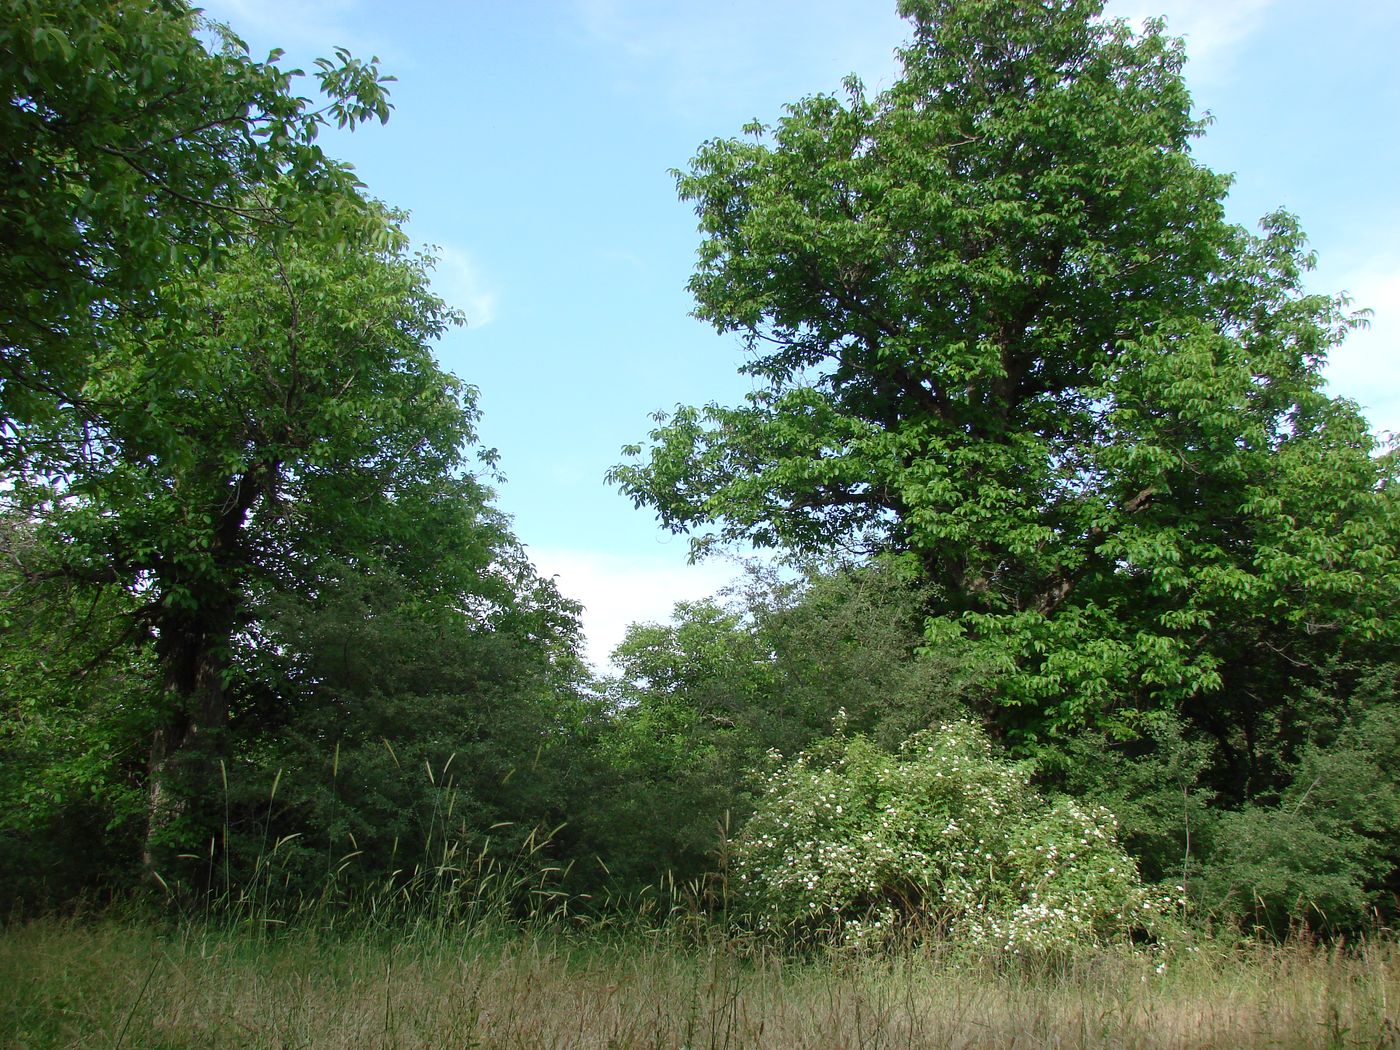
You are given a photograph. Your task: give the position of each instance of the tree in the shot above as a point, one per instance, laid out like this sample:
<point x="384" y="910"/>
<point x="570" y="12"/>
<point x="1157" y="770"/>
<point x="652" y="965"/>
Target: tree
<point x="1003" y="328"/>
<point x="288" y="411"/>
<point x="217" y="397"/>
<point x="128" y="151"/>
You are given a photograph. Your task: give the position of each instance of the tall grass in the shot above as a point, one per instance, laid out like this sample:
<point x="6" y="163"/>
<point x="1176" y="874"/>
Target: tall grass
<point x="120" y="981"/>
<point x="447" y="880"/>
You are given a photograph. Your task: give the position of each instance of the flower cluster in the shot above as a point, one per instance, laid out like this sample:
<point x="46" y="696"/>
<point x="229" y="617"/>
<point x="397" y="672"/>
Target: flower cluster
<point x="942" y="837"/>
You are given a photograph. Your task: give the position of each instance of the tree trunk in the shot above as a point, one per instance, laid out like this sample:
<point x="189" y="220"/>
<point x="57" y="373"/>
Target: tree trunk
<point x="185" y="751"/>
<point x="193" y="650"/>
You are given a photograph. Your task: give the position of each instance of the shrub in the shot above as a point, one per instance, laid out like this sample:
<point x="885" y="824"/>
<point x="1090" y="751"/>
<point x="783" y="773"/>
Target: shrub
<point x="942" y="837"/>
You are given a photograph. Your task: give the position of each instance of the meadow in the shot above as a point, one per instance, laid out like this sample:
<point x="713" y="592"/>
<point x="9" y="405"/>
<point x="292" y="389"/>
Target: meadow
<point x="122" y="980"/>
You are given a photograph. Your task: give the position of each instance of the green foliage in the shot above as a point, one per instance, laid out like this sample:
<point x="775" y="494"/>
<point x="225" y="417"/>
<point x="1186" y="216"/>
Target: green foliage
<point x="128" y="150"/>
<point x="217" y="394"/>
<point x="289" y="410"/>
<point x="74" y="731"/>
<point x="399" y="727"/>
<point x="851" y="639"/>
<point x="1153" y="785"/>
<point x="700" y="701"/>
<point x="260" y="621"/>
<point x="1327" y="854"/>
<point x="942" y="837"/>
<point x="677" y="750"/>
<point x="999" y="322"/>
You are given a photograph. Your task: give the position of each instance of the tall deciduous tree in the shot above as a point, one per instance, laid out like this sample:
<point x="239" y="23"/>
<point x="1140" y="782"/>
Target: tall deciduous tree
<point x="288" y="411"/>
<point x="1001" y="324"/>
<point x="217" y="394"/>
<point x="216" y="385"/>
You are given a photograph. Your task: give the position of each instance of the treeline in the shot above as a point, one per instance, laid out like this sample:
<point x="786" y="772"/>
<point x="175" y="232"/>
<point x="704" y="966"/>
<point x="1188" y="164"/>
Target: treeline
<point x="1094" y="625"/>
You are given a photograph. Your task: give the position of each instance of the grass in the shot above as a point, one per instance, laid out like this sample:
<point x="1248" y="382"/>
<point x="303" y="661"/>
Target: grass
<point x="121" y="981"/>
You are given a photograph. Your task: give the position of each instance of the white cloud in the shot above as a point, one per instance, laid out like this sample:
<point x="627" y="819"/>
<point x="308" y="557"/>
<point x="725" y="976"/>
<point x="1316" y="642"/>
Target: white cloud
<point x="1212" y="28"/>
<point x="1366" y="368"/>
<point x="459" y="280"/>
<point x="621" y="589"/>
<point x="752" y="55"/>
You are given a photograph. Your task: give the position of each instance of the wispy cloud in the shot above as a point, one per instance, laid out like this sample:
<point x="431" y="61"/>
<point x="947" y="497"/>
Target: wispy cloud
<point x="621" y="589"/>
<point x="1212" y="28"/>
<point x="460" y="280"/>
<point x="741" y="54"/>
<point x="1366" y="368"/>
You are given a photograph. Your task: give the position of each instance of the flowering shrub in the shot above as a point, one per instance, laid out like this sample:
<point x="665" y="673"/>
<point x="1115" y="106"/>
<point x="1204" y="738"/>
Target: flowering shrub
<point x="942" y="837"/>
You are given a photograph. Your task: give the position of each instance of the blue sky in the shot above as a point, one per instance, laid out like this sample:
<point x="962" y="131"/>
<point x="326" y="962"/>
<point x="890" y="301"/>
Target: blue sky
<point x="531" y="142"/>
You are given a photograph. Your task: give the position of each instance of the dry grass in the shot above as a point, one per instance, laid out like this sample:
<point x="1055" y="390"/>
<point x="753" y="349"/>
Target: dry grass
<point x="123" y="983"/>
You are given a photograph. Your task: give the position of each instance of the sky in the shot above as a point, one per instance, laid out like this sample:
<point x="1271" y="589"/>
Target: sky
<point x="532" y="144"/>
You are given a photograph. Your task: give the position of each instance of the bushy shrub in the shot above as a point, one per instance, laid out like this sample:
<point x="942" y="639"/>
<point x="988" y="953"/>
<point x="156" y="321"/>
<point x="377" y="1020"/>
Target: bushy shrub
<point x="942" y="838"/>
<point x="1276" y="868"/>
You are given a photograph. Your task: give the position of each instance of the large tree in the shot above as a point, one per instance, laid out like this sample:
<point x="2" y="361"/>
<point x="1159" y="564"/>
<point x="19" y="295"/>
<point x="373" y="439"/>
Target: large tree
<point x="999" y="323"/>
<point x="216" y="387"/>
<point x="283" y="410"/>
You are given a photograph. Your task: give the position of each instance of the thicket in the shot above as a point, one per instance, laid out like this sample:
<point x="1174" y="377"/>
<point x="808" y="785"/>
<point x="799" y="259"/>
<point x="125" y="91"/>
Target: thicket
<point x="1110" y="644"/>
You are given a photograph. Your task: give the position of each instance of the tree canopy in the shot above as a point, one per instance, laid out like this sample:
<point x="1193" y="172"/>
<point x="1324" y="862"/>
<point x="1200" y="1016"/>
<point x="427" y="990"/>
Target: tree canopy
<point x="1098" y="601"/>
<point x="1000" y="325"/>
<point x="131" y="150"/>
